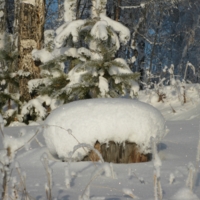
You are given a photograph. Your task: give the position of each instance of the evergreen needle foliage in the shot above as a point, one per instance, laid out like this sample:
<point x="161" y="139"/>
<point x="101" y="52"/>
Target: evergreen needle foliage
<point x="84" y="63"/>
<point x="9" y="84"/>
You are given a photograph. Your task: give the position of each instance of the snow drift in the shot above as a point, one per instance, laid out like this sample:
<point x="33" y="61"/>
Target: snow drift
<point x="105" y="120"/>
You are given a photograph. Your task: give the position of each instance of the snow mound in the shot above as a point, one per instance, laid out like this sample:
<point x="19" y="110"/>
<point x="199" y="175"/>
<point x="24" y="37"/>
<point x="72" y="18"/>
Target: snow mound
<point x="105" y="120"/>
<point x="184" y="194"/>
<point x="16" y="123"/>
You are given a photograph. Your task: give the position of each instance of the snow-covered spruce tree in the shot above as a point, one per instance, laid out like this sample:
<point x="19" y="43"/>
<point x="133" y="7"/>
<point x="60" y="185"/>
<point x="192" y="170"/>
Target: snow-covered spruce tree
<point x="88" y="48"/>
<point x="38" y="108"/>
<point x="9" y="81"/>
<point x="8" y="56"/>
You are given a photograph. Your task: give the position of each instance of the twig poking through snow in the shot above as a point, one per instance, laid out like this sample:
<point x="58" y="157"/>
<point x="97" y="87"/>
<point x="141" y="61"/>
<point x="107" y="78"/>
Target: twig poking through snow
<point x="67" y="176"/>
<point x="171" y="178"/>
<point x="83" y="145"/>
<point x="157" y="164"/>
<point x="22" y="185"/>
<point x="86" y="194"/>
<point x="48" y="185"/>
<point x="198" y="149"/>
<point x="190" y="179"/>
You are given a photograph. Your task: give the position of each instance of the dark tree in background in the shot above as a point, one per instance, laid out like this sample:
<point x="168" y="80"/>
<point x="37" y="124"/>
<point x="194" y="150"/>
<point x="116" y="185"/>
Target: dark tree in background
<point x="164" y="33"/>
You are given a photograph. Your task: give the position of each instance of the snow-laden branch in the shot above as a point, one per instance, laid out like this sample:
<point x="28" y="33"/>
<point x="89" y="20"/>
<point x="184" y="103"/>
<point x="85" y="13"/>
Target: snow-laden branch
<point x="72" y="29"/>
<point x="142" y="5"/>
<point x="61" y="28"/>
<point x="45" y="56"/>
<point x="84" y="51"/>
<point x="99" y="30"/>
<point x="124" y="33"/>
<point x="116" y="70"/>
<point x="103" y="86"/>
<point x="115" y="40"/>
<point x="35" y="104"/>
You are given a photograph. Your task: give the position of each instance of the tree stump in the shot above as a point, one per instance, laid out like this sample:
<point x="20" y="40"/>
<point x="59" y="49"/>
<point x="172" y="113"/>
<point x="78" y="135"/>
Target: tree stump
<point x="127" y="152"/>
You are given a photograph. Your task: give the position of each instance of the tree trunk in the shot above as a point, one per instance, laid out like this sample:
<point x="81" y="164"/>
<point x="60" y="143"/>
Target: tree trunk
<point x="31" y="23"/>
<point x="118" y="153"/>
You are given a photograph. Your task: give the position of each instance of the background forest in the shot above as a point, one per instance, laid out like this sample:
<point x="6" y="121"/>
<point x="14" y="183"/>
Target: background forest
<point x="163" y="32"/>
<point x="164" y="43"/>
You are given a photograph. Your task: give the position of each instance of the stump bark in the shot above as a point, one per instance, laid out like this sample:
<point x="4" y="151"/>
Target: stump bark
<point x="127" y="152"/>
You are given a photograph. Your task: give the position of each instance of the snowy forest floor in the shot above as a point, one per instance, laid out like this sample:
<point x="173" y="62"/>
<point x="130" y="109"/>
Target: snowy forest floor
<point x="177" y="150"/>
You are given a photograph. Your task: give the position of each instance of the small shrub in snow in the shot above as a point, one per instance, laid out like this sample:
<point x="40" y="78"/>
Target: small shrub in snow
<point x="9" y="79"/>
<point x="169" y="90"/>
<point x="88" y="48"/>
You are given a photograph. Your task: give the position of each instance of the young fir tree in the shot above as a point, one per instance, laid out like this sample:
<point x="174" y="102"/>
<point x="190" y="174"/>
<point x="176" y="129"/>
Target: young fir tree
<point x="9" y="84"/>
<point x="88" y="48"/>
<point x="8" y="80"/>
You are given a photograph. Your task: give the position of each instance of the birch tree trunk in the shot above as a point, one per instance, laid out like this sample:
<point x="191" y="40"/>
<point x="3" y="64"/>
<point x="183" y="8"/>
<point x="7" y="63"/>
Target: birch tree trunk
<point x="31" y="23"/>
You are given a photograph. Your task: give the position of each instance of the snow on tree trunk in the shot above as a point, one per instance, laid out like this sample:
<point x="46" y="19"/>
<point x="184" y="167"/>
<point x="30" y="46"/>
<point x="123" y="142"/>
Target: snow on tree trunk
<point x="31" y="22"/>
<point x="117" y="10"/>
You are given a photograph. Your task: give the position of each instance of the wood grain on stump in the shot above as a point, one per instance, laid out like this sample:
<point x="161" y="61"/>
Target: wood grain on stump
<point x="118" y="153"/>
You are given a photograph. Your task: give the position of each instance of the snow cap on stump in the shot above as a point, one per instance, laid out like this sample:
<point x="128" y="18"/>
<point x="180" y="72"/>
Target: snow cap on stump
<point x="102" y="120"/>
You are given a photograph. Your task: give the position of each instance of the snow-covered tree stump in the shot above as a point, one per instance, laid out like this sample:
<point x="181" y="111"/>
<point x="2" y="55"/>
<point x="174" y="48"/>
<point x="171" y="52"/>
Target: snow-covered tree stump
<point x="123" y="128"/>
<point x="127" y="152"/>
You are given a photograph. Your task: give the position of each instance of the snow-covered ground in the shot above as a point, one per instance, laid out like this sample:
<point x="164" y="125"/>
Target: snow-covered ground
<point x="177" y="151"/>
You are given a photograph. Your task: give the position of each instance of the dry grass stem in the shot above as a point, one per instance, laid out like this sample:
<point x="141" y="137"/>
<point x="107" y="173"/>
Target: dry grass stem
<point x="69" y="131"/>
<point x="48" y="186"/>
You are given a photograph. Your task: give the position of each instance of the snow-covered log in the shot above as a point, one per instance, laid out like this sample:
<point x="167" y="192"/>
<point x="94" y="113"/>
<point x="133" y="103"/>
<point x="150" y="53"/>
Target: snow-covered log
<point x="119" y="120"/>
